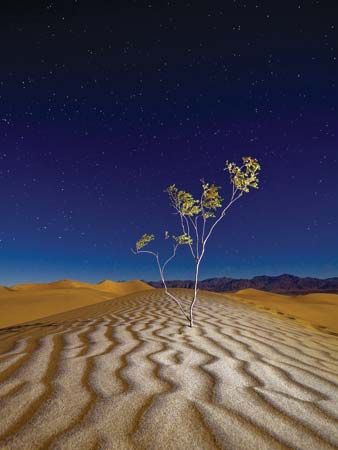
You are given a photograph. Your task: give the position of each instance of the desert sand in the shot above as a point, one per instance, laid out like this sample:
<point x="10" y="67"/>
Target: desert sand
<point x="315" y="310"/>
<point x="26" y="302"/>
<point x="129" y="374"/>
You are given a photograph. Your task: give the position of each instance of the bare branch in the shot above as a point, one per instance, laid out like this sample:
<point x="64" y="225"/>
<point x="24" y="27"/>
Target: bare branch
<point x="233" y="200"/>
<point x="188" y="232"/>
<point x="161" y="270"/>
<point x="170" y="257"/>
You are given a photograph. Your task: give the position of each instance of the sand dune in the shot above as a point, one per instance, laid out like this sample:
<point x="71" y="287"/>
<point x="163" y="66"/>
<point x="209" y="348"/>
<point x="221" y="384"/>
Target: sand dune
<point x="116" y="287"/>
<point x="122" y="288"/>
<point x="317" y="310"/>
<point x="22" y="303"/>
<point x="128" y="374"/>
<point x="61" y="284"/>
<point x="3" y="290"/>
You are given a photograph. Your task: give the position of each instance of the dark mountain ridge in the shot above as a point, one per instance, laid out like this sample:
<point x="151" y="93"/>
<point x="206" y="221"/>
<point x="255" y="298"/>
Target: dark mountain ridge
<point x="279" y="284"/>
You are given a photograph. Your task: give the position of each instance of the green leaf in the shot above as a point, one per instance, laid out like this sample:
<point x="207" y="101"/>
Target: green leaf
<point x="246" y="176"/>
<point x="211" y="199"/>
<point x="183" y="201"/>
<point x="183" y="239"/>
<point x="144" y="240"/>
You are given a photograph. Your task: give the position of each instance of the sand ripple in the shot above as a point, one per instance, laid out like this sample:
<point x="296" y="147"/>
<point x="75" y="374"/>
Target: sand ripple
<point x="128" y="374"/>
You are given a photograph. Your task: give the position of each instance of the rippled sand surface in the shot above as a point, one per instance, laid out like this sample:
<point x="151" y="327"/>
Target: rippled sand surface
<point x="128" y="374"/>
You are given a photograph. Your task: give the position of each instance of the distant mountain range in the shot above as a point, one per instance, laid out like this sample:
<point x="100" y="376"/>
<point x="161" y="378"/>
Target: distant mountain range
<point x="280" y="284"/>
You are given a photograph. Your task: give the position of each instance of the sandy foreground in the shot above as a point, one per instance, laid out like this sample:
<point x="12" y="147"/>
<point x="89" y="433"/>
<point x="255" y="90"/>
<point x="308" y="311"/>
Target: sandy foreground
<point x="128" y="374"/>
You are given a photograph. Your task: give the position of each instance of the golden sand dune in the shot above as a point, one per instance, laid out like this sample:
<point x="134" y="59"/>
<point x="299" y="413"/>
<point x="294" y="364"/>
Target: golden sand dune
<point x="61" y="284"/>
<point x="116" y="287"/>
<point x="128" y="374"/>
<point x="26" y="302"/>
<point x="318" y="310"/>
<point x="122" y="288"/>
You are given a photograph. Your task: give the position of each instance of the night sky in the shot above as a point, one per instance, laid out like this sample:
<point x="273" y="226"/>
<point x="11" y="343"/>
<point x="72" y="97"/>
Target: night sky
<point x="104" y="104"/>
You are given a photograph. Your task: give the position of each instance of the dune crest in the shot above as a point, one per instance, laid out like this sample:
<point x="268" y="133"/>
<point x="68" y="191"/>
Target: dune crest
<point x="129" y="374"/>
<point x="108" y="285"/>
<point x="122" y="287"/>
<point x="61" y="284"/>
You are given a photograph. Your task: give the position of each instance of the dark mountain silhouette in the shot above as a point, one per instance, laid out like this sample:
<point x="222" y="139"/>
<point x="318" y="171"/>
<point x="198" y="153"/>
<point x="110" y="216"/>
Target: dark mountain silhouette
<point x="280" y="284"/>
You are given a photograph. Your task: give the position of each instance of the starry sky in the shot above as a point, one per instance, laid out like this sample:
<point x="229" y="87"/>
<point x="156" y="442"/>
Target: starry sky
<point x="104" y="104"/>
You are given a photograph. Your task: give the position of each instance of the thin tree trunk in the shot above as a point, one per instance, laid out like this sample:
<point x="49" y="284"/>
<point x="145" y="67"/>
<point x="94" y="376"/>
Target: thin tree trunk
<point x="191" y="317"/>
<point x="199" y="257"/>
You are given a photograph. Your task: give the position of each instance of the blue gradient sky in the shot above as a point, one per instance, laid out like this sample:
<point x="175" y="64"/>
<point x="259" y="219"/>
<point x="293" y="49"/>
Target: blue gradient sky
<point x="102" y="109"/>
